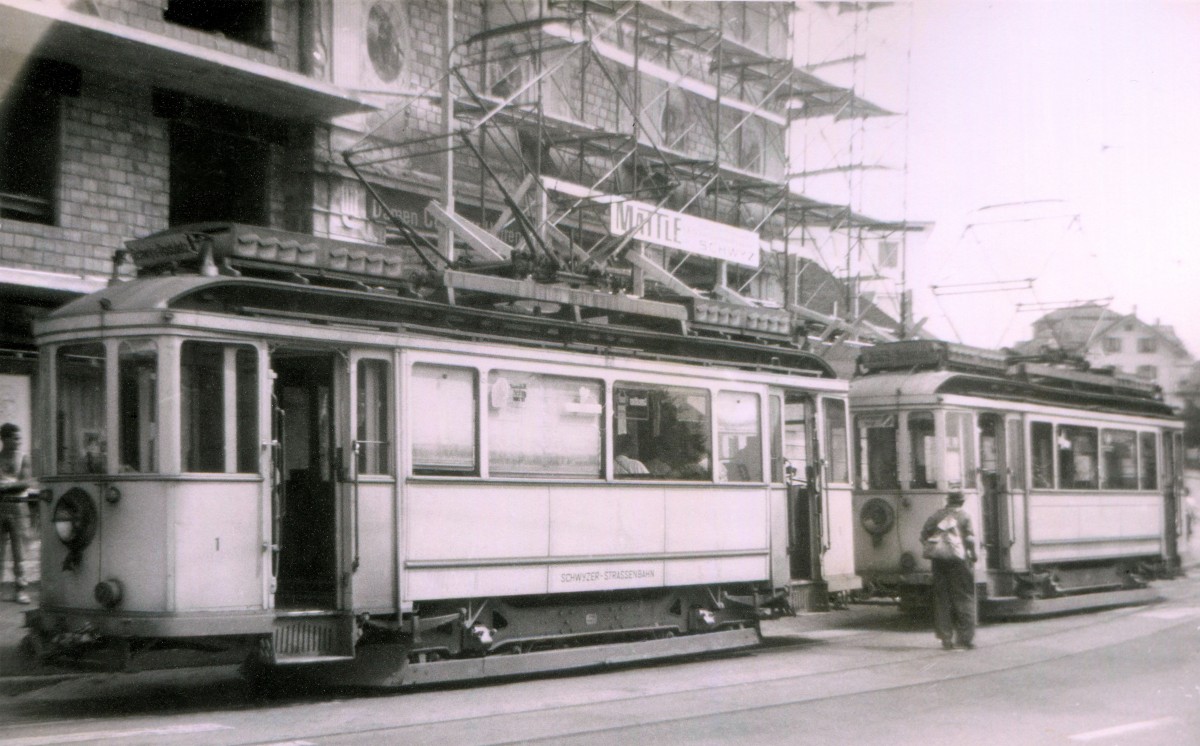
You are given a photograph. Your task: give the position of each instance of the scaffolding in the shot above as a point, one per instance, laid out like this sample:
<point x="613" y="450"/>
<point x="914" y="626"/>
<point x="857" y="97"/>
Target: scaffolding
<point x="633" y="148"/>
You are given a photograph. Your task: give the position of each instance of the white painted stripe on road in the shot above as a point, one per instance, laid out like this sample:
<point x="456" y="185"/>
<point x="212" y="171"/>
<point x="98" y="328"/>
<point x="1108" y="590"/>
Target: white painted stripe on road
<point x="1170" y="614"/>
<point x="1120" y="730"/>
<point x="100" y="735"/>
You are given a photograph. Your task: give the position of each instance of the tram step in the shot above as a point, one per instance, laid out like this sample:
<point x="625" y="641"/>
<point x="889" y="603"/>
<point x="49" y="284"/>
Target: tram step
<point x="313" y="637"/>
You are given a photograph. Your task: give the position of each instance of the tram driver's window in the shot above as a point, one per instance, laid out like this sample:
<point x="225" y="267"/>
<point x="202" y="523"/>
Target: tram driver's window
<point x="921" y="454"/>
<point x="1119" y="451"/>
<point x="739" y="437"/>
<point x="875" y="451"/>
<point x="959" y="452"/>
<point x="1077" y="462"/>
<point x="443" y="420"/>
<point x="1042" y="445"/>
<point x="1148" y="445"/>
<point x="661" y="432"/>
<point x="544" y="426"/>
<point x="215" y="379"/>
<point x="137" y="405"/>
<point x="81" y="443"/>
<point x="372" y="443"/>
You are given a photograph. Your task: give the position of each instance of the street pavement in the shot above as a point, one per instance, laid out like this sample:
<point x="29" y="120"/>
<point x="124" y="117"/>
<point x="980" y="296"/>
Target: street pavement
<point x="20" y="671"/>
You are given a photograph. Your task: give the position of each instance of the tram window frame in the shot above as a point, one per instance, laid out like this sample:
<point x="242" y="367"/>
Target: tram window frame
<point x="1042" y="456"/>
<point x="137" y="405"/>
<point x="650" y="432"/>
<point x="837" y="433"/>
<point x="1118" y="471"/>
<point x="959" y="437"/>
<point x="790" y="448"/>
<point x="1078" y="463"/>
<point x="1015" y="446"/>
<point x="1148" y="471"/>
<point x="454" y="390"/>
<point x="876" y="451"/>
<point x="739" y="442"/>
<point x="373" y="416"/>
<point x="210" y="442"/>
<point x="922" y="453"/>
<point x="81" y="424"/>
<point x="543" y="425"/>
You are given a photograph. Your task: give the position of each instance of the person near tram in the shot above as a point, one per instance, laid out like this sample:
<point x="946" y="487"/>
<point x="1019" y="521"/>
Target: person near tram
<point x="953" y="573"/>
<point x="15" y="481"/>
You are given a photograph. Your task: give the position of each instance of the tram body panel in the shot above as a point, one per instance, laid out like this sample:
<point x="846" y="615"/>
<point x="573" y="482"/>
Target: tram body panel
<point x="1087" y="526"/>
<point x="375" y="578"/>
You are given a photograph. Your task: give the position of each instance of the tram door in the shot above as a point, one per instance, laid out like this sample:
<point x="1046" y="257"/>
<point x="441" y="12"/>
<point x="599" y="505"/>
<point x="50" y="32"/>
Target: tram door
<point x="804" y="487"/>
<point x="305" y="493"/>
<point x="994" y="468"/>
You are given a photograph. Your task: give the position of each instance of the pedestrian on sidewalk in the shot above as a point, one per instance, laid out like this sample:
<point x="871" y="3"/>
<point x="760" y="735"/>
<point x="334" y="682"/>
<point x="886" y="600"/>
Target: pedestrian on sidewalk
<point x="16" y="478"/>
<point x="949" y="541"/>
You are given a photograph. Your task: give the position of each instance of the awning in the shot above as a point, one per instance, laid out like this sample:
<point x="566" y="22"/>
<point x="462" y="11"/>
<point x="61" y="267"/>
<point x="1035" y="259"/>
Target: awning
<point x="31" y="28"/>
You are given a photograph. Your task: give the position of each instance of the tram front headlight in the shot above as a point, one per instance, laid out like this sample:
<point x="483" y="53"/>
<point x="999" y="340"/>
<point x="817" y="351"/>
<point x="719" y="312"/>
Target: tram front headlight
<point x="74" y="519"/>
<point x="877" y="516"/>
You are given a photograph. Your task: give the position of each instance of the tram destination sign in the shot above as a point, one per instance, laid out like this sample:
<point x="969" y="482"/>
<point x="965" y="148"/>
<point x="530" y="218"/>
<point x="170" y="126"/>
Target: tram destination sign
<point x="676" y="230"/>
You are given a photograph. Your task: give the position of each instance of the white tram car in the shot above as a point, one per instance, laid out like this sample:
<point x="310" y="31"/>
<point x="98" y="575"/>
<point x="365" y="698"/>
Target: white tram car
<point x="264" y="442"/>
<point x="1073" y="478"/>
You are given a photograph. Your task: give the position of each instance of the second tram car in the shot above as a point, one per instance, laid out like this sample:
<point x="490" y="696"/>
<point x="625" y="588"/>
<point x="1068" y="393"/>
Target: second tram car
<point x="1072" y="477"/>
<point x="266" y="442"/>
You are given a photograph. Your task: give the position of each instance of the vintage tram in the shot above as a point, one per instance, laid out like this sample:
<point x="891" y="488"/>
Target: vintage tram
<point x="1073" y="477"/>
<point x="270" y="442"/>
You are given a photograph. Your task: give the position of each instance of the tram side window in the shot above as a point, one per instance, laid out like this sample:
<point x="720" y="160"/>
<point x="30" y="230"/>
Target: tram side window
<point x="738" y="437"/>
<point x="921" y="453"/>
<point x="1016" y="454"/>
<point x="835" y="440"/>
<point x="544" y="426"/>
<point x="1077" y="458"/>
<point x="137" y="397"/>
<point x="1148" y="443"/>
<point x="960" y="450"/>
<point x="1042" y="445"/>
<point x="372" y="443"/>
<point x="215" y="379"/>
<point x="80" y="437"/>
<point x="661" y="432"/>
<point x="875" y="451"/>
<point x="1119" y="454"/>
<point x="443" y="420"/>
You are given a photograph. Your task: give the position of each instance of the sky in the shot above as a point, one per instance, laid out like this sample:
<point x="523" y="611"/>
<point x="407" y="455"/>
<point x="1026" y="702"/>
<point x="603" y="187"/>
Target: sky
<point x="1054" y="140"/>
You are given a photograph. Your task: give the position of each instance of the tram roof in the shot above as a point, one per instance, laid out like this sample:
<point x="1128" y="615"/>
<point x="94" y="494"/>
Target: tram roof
<point x="1012" y="386"/>
<point x="384" y="310"/>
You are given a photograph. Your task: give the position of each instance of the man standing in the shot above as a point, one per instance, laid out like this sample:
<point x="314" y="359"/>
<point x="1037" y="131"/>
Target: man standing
<point x="15" y="481"/>
<point x="953" y="575"/>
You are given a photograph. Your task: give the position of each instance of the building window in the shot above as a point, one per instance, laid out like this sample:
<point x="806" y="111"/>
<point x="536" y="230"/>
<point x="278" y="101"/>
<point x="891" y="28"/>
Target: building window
<point x="1112" y="344"/>
<point x="29" y="141"/>
<point x="245" y="20"/>
<point x="1147" y="344"/>
<point x="1149" y="372"/>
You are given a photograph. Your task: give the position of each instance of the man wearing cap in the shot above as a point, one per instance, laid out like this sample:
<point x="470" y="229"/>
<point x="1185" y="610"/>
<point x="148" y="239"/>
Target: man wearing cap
<point x="953" y="577"/>
<point x="15" y="480"/>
